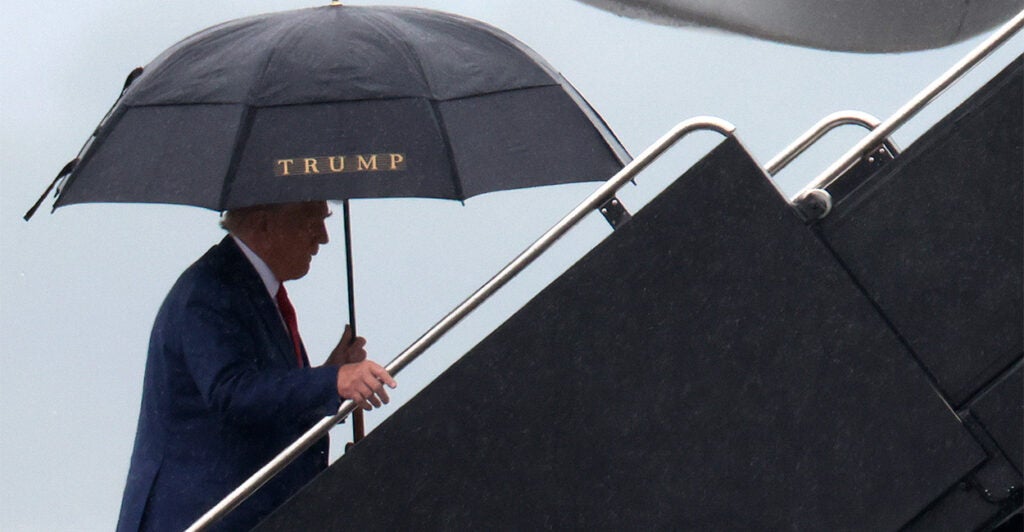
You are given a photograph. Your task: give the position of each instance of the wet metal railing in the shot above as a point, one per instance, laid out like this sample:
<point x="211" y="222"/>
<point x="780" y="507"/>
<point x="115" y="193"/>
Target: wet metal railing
<point x="818" y="130"/>
<point x="911" y="108"/>
<point x="817" y="203"/>
<point x="595" y="200"/>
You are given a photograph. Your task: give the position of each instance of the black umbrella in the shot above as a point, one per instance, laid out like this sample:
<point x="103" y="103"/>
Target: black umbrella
<point x="340" y="102"/>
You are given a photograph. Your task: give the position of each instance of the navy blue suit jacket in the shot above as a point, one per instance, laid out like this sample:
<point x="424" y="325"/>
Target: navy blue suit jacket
<point x="222" y="395"/>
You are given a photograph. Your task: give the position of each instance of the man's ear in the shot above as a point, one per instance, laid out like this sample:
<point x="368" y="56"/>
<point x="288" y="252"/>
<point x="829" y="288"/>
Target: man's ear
<point x="261" y="222"/>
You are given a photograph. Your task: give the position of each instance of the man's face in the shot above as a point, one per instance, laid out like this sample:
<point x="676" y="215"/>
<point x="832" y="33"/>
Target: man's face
<point x="294" y="233"/>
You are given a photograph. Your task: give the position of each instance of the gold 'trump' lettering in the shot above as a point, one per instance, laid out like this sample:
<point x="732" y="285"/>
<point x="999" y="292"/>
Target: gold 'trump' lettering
<point x="339" y="164"/>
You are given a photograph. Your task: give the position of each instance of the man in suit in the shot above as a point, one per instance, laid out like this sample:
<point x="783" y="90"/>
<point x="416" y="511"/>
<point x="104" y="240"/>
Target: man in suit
<point x="228" y="384"/>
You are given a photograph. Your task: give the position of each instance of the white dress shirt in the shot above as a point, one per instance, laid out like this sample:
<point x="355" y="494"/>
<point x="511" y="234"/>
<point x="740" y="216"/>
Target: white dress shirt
<point x="268" y="277"/>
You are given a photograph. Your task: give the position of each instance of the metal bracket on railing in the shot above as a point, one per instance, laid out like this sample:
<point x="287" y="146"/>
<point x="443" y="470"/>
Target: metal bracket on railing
<point x="615" y="212"/>
<point x="594" y="201"/>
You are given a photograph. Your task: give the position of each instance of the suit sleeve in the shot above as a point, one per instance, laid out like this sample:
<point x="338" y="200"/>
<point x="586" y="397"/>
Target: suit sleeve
<point x="224" y="360"/>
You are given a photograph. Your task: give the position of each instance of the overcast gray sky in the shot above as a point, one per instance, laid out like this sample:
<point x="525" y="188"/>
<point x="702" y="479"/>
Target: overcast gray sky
<point x="79" y="289"/>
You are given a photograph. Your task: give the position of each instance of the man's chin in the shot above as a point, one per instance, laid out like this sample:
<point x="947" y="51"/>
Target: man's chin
<point x="299" y="273"/>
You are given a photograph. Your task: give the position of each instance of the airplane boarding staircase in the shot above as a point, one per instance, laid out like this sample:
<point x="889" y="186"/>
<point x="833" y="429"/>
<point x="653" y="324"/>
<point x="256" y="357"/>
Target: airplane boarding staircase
<point x="720" y="363"/>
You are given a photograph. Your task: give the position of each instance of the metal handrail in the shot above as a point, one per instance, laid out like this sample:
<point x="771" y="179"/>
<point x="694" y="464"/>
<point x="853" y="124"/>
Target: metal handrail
<point x="818" y="130"/>
<point x="598" y="197"/>
<point x="912" y="107"/>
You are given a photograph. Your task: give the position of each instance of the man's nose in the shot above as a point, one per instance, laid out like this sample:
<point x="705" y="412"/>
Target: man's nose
<point x="322" y="236"/>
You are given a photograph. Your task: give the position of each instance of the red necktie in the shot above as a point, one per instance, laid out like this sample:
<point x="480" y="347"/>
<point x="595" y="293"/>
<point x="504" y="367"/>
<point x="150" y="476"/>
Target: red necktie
<point x="288" y="312"/>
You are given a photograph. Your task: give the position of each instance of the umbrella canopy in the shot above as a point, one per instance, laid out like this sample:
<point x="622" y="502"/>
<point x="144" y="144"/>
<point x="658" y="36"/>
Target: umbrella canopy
<point x="341" y="102"/>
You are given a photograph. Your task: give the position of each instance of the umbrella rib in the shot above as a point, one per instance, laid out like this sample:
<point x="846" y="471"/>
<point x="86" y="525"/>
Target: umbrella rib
<point x="557" y="78"/>
<point x="245" y="126"/>
<point x="434" y="104"/>
<point x="410" y="52"/>
<point x="597" y="121"/>
<point x="449" y="152"/>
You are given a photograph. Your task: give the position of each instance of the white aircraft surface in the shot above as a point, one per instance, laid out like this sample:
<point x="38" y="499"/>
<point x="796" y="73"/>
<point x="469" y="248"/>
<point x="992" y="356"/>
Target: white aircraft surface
<point x="855" y="26"/>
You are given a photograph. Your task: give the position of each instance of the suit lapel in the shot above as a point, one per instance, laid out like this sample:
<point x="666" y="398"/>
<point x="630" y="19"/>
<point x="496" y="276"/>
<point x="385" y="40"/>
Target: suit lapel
<point x="244" y="273"/>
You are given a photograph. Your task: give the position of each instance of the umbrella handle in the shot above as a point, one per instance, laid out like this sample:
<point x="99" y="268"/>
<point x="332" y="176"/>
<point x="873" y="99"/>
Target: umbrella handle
<point x="358" y="428"/>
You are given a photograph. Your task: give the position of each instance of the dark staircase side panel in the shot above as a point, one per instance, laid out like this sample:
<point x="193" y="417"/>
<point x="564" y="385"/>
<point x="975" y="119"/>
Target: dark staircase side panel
<point x="708" y="366"/>
<point x="985" y="498"/>
<point x="936" y="240"/>
<point x="936" y="236"/>
<point x="1000" y="412"/>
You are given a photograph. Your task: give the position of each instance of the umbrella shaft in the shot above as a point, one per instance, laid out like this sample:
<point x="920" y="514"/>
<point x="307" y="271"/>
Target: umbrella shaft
<point x="350" y="278"/>
<point x="358" y="427"/>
